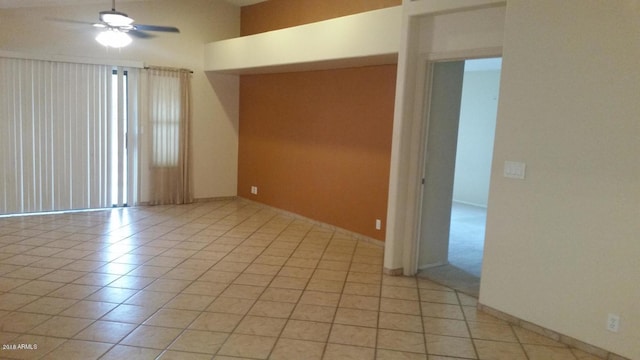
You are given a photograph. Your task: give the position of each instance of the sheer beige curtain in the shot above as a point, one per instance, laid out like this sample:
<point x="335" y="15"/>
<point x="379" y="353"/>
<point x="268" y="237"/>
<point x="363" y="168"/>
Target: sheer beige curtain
<point x="168" y="111"/>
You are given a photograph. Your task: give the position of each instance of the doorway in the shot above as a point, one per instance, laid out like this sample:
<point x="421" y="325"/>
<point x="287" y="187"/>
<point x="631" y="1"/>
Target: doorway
<point x="458" y="152"/>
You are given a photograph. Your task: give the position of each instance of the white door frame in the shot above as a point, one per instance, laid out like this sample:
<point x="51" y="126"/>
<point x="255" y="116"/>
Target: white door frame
<point x="406" y="170"/>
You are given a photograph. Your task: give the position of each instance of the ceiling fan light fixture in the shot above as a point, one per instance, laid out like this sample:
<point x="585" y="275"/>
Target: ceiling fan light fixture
<point x="113" y="38"/>
<point x="115" y="18"/>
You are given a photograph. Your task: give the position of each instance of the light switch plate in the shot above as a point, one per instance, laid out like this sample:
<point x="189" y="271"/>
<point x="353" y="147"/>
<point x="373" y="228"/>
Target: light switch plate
<point x="514" y="170"/>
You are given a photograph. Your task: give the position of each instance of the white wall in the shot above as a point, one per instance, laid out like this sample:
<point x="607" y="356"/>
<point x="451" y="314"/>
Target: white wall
<point x="476" y="131"/>
<point x="562" y="246"/>
<point x="215" y="98"/>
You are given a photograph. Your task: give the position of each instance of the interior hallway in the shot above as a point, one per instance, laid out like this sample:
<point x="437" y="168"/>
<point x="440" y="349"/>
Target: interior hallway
<point x="228" y="280"/>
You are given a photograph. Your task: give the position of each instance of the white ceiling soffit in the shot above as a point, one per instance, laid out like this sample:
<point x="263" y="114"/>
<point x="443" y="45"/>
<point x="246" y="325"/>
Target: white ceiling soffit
<point x="6" y="4"/>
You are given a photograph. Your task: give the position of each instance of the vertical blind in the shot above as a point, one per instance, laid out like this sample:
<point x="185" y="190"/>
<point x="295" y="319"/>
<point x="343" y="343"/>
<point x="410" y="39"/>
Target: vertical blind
<point x="56" y="127"/>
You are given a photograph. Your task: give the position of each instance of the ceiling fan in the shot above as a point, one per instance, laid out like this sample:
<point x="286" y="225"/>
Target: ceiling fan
<point x="118" y="26"/>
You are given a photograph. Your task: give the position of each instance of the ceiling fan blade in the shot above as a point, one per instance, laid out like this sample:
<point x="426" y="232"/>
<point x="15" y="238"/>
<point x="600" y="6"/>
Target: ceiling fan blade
<point x="70" y="21"/>
<point x="140" y="34"/>
<point x="156" y="28"/>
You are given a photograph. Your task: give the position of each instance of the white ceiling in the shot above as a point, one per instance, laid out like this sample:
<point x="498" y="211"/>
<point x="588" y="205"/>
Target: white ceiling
<point x="32" y="3"/>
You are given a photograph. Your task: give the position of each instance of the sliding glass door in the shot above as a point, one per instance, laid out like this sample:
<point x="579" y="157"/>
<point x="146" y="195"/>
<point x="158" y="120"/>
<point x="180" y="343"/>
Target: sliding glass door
<point x="66" y="136"/>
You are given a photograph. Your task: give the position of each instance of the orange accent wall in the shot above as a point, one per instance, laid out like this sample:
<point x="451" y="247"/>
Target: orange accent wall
<point x="280" y="14"/>
<point x="318" y="143"/>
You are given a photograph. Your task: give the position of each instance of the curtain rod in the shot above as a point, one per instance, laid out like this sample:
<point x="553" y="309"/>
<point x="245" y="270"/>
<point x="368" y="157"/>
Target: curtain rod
<point x="167" y="68"/>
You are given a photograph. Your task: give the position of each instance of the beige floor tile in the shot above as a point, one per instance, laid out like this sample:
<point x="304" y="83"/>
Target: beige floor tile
<point x="467" y="300"/>
<point x="79" y="349"/>
<point x="448" y="327"/>
<point x="218" y="276"/>
<point x="48" y="305"/>
<point x="290" y="349"/>
<point x="262" y="269"/>
<point x="499" y="350"/>
<point x="446" y="311"/>
<point x="471" y="313"/>
<point x="361" y="289"/>
<point x="450" y="346"/>
<point x="366" y="268"/>
<point x="257" y="325"/>
<point x="281" y="295"/>
<point x="45" y="344"/>
<point x="172" y="318"/>
<point x="189" y="302"/>
<point x="88" y="309"/>
<point x="251" y="346"/>
<point x="353" y="335"/>
<point x="399" y="306"/>
<point x="216" y="322"/>
<point x="383" y="354"/>
<point x="491" y="331"/>
<point x="437" y="296"/>
<point x="129" y="314"/>
<point x="399" y="292"/>
<point x="151" y="337"/>
<point x="337" y="265"/>
<point x="347" y="352"/>
<point x="253" y="279"/>
<point x="168" y="285"/>
<point x="181" y="355"/>
<point x="325" y="285"/>
<point x="428" y="284"/>
<point x="120" y="352"/>
<point x="149" y="271"/>
<point x="365" y="278"/>
<point x="105" y="331"/>
<point x="541" y="352"/>
<point x="271" y="260"/>
<point x="225" y="265"/>
<point x="112" y="294"/>
<point x="237" y="276"/>
<point x="314" y="313"/>
<point x="401" y="341"/>
<point x="97" y="279"/>
<point x="402" y="322"/>
<point x="296" y="272"/>
<point x="335" y="275"/>
<point x="320" y="298"/>
<point x="10" y="301"/>
<point x="309" y="263"/>
<point x="21" y="322"/>
<point x="356" y="317"/>
<point x="404" y="281"/>
<point x="529" y="337"/>
<point x="6" y="284"/>
<point x="306" y="330"/>
<point x="243" y="291"/>
<point x="38" y="287"/>
<point x="231" y="305"/>
<point x="207" y="342"/>
<point x="286" y="282"/>
<point x="61" y="326"/>
<point x="208" y="288"/>
<point x="150" y="298"/>
<point x="132" y="282"/>
<point x="360" y="302"/>
<point x="271" y="309"/>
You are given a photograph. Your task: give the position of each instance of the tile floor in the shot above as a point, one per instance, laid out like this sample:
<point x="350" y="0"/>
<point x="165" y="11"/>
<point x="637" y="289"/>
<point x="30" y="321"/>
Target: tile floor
<point x="228" y="280"/>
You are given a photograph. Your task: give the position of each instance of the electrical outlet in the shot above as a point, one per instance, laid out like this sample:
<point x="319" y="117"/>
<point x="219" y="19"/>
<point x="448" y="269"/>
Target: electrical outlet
<point x="378" y="224"/>
<point x="613" y="322"/>
<point x="254" y="190"/>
